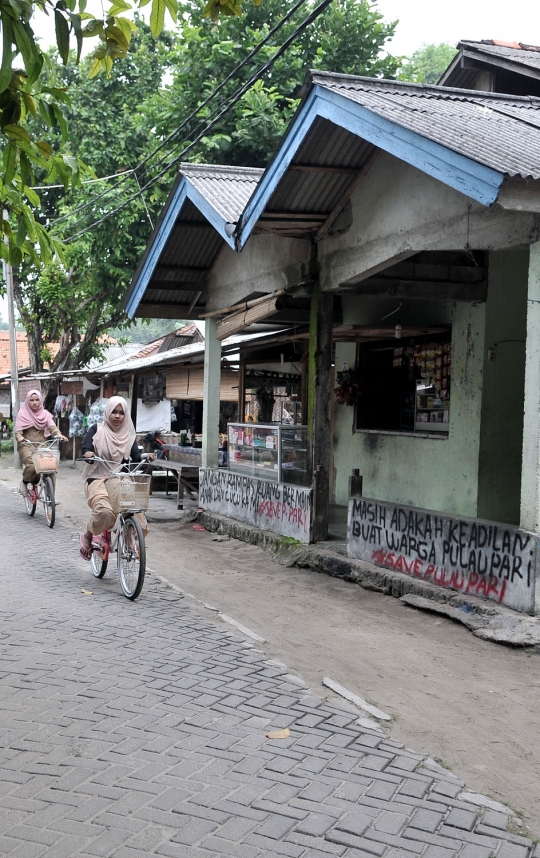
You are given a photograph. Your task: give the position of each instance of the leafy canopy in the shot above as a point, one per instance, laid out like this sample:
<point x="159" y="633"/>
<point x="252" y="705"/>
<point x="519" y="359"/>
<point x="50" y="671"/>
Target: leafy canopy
<point x="427" y="64"/>
<point x="347" y="37"/>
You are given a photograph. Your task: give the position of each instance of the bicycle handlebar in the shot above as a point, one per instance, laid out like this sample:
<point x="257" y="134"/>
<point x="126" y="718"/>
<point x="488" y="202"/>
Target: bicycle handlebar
<point x="118" y="467"/>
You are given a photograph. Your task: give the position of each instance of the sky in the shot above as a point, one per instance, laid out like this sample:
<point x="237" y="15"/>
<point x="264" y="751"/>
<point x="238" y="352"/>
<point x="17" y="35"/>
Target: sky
<point x="428" y="21"/>
<point x="433" y="22"/>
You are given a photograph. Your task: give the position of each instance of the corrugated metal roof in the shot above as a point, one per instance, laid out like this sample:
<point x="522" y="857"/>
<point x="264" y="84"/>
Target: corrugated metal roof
<point x="214" y="195"/>
<point x="498" y="131"/>
<point x="516" y="52"/>
<point x="227" y="189"/>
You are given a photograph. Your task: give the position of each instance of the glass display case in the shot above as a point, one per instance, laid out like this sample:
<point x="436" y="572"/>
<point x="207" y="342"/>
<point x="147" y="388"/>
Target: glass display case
<point x="270" y="451"/>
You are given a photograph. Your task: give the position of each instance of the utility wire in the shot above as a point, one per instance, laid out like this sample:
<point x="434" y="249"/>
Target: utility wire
<point x="310" y="18"/>
<point x="197" y="110"/>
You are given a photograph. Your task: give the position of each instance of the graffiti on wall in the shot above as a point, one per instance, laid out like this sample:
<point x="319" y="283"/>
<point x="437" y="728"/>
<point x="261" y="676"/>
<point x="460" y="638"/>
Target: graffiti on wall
<point x="474" y="557"/>
<point x="271" y="506"/>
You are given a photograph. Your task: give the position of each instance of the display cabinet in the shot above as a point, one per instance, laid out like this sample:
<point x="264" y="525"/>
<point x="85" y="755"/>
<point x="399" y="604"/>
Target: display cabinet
<point x="270" y="451"/>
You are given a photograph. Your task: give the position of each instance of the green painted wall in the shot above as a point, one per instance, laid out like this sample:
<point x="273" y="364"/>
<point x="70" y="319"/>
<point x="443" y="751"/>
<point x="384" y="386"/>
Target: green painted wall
<point x="501" y="436"/>
<point x="439" y="474"/>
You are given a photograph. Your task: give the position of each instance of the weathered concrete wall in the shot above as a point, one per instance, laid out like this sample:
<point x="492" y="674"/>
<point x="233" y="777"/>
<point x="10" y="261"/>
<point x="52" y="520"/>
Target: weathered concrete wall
<point x="474" y="557"/>
<point x="271" y="506"/>
<point x="435" y="473"/>
<point x="530" y="478"/>
<point x="501" y="434"/>
<point x="398" y="210"/>
<point x="266" y="264"/>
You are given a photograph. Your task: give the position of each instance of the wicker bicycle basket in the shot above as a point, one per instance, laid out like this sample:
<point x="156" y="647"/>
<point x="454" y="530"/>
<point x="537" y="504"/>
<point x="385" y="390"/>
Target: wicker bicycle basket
<point x="46" y="461"/>
<point x="129" y="492"/>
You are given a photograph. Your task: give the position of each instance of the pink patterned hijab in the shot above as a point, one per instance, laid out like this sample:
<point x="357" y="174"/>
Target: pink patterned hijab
<point x="40" y="419"/>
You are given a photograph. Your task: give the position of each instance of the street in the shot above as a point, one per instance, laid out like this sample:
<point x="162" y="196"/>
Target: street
<point x="131" y="729"/>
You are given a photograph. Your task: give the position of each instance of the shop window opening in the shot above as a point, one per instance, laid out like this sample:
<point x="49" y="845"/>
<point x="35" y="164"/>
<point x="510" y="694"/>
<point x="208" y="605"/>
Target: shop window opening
<point x="406" y="387"/>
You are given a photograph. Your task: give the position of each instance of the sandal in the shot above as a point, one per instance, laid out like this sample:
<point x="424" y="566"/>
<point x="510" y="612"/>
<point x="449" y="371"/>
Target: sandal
<point x="84" y="551"/>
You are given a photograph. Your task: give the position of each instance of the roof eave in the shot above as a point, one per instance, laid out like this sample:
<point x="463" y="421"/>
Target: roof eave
<point x="474" y="180"/>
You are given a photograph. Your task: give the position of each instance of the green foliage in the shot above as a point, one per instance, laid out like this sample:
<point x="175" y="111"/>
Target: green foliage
<point x="24" y="96"/>
<point x="348" y="37"/>
<point x="427" y="64"/>
<point x="75" y="300"/>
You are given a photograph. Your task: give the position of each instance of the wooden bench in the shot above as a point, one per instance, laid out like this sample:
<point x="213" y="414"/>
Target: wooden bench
<point x="184" y="481"/>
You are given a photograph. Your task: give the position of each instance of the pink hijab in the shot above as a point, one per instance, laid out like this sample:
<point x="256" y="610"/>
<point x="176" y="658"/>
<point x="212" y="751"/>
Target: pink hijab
<point x="110" y="443"/>
<point x="27" y="419"/>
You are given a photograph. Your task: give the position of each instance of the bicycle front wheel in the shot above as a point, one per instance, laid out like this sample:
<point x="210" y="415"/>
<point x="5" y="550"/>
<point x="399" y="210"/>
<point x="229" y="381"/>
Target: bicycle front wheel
<point x="131" y="558"/>
<point x="47" y="496"/>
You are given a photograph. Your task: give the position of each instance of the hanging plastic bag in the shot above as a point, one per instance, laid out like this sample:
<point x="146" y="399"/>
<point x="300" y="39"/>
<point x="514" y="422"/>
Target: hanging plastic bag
<point x="97" y="412"/>
<point x="76" y="423"/>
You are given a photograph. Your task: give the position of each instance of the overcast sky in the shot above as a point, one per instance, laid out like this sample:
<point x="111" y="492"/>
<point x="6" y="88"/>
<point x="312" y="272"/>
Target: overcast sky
<point x="431" y="22"/>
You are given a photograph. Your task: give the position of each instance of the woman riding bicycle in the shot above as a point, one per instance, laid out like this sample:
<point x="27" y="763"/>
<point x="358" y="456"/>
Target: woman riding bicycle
<point x="35" y="424"/>
<point x="113" y="440"/>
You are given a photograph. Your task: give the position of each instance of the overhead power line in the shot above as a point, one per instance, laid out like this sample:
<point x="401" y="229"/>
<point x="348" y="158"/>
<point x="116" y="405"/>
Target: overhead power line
<point x="229" y="104"/>
<point x="139" y="167"/>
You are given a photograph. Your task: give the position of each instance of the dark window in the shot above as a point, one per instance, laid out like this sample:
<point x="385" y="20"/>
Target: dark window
<point x="405" y="385"/>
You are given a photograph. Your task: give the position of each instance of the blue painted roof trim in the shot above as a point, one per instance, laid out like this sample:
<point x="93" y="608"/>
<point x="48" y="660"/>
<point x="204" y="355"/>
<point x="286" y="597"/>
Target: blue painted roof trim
<point x="185" y="190"/>
<point x="470" y="178"/>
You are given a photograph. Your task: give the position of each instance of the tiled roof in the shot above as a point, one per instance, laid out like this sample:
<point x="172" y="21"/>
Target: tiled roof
<point x="518" y="52"/>
<point x="23" y="355"/>
<point x="227" y="189"/>
<point x="499" y="131"/>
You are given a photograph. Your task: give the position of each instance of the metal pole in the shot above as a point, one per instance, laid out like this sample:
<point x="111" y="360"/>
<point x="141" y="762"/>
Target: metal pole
<point x="8" y="278"/>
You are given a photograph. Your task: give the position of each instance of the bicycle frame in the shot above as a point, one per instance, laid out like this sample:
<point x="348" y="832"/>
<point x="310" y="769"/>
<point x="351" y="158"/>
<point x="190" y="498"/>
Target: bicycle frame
<point x="126" y="537"/>
<point x="43" y="490"/>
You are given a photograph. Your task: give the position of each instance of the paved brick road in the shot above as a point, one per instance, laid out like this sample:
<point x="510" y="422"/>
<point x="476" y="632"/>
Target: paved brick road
<point x="131" y="730"/>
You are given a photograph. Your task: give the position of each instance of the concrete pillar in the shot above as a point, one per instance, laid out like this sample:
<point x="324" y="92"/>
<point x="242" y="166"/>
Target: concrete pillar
<point x="212" y="387"/>
<point x="320" y="404"/>
<point x="530" y="471"/>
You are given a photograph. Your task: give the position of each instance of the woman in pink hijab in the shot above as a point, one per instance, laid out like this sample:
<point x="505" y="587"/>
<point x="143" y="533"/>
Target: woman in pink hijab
<point x="113" y="440"/>
<point x="34" y="424"/>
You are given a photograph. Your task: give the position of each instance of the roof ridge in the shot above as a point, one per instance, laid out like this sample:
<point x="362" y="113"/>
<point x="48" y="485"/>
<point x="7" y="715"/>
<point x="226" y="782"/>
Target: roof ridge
<point x="434" y="89"/>
<point x="501" y="43"/>
<point x="188" y="167"/>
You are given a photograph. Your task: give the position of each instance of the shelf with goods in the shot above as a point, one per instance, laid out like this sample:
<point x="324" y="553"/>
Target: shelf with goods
<point x="432" y="400"/>
<point x="276" y="452"/>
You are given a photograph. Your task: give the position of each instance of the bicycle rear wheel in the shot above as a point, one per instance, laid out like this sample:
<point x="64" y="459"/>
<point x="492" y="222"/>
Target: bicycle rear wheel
<point x="47" y="496"/>
<point x="131" y="558"/>
<point x="30" y="501"/>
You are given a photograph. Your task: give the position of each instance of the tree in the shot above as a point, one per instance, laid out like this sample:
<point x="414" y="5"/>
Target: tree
<point x="25" y="93"/>
<point x="427" y="64"/>
<point x="348" y="37"/>
<point x="74" y="301"/>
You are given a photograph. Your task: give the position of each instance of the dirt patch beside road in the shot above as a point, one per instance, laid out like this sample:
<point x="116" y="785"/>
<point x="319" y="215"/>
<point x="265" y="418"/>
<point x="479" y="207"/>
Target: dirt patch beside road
<point x="474" y="705"/>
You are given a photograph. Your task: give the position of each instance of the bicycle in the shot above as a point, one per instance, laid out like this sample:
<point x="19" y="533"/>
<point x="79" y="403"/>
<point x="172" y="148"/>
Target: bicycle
<point x="129" y="493"/>
<point x="45" y="458"/>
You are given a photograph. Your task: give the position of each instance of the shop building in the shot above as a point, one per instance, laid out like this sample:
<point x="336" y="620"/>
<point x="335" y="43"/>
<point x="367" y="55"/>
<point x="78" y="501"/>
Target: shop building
<point x="399" y="224"/>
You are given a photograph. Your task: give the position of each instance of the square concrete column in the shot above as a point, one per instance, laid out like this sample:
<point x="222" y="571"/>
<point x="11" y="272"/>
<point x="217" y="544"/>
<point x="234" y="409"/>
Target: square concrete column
<point x="530" y="472"/>
<point x="212" y="389"/>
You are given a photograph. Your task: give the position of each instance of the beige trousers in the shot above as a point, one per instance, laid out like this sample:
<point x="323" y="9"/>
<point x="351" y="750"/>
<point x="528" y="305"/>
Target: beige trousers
<point x="25" y="454"/>
<point x="103" y="517"/>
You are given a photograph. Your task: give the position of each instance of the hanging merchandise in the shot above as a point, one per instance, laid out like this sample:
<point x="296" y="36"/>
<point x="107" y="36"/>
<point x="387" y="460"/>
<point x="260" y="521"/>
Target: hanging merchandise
<point x="76" y="423"/>
<point x="97" y="412"/>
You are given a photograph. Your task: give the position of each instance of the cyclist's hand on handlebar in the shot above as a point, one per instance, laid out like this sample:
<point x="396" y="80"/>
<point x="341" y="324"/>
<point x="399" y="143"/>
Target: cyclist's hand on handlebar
<point x="62" y="438"/>
<point x="89" y="455"/>
<point x="148" y="457"/>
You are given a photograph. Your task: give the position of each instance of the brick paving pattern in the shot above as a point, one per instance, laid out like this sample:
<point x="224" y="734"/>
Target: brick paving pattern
<point x="137" y="729"/>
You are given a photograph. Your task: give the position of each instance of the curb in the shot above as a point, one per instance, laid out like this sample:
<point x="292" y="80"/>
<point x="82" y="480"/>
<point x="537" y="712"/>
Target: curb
<point x="485" y="619"/>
